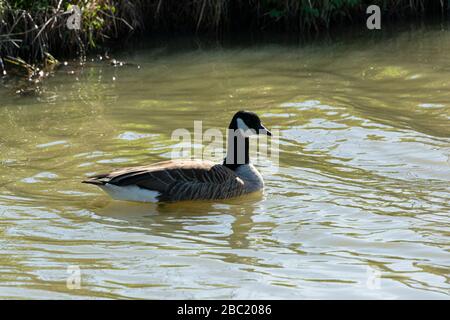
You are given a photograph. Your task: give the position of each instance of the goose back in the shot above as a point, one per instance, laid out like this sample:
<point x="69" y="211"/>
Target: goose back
<point x="177" y="180"/>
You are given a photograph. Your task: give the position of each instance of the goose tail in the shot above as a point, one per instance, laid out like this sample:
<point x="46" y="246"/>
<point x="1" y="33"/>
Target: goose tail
<point x="96" y="180"/>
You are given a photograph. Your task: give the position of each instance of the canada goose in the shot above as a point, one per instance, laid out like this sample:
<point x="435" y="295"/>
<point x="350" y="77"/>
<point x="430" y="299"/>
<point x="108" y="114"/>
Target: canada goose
<point x="176" y="180"/>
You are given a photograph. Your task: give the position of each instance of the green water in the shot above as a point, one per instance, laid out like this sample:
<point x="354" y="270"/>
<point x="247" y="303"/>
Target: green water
<point x="358" y="206"/>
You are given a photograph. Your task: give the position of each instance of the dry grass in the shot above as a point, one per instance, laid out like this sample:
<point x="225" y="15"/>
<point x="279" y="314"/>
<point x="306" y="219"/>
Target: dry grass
<point x="30" y="28"/>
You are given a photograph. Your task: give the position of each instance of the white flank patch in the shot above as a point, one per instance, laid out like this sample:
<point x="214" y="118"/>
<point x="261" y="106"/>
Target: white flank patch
<point x="130" y="193"/>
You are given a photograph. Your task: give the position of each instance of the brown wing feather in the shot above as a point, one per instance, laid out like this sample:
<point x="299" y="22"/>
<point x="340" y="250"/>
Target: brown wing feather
<point x="180" y="180"/>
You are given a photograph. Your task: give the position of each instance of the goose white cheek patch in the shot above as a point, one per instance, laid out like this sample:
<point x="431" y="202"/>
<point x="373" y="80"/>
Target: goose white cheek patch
<point x="241" y="125"/>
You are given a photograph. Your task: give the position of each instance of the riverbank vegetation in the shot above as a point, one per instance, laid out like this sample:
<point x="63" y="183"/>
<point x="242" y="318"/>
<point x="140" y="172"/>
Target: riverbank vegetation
<point x="32" y="29"/>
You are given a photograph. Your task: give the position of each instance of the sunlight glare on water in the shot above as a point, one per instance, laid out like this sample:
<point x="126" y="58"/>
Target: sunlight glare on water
<point x="362" y="188"/>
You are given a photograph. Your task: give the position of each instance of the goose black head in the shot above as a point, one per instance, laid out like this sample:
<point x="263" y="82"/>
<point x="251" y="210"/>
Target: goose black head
<point x="249" y="123"/>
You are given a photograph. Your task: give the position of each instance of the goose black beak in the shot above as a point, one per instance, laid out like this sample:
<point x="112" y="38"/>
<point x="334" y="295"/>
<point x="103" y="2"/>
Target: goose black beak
<point x="264" y="130"/>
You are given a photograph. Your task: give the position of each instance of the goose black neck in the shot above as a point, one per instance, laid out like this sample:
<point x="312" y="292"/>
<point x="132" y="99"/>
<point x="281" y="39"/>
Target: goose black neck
<point x="237" y="152"/>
